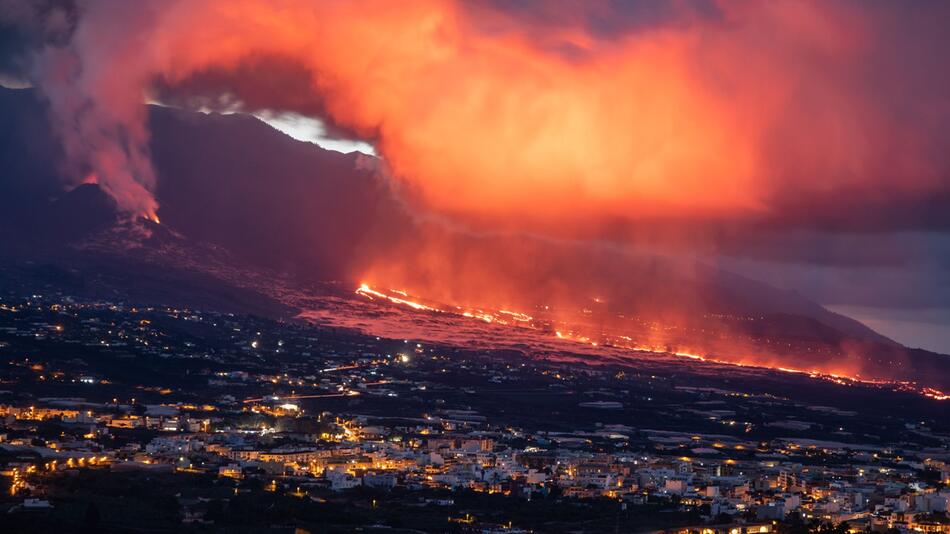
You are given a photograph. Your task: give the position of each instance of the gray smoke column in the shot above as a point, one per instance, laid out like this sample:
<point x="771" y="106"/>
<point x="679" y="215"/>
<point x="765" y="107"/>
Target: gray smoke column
<point x="94" y="84"/>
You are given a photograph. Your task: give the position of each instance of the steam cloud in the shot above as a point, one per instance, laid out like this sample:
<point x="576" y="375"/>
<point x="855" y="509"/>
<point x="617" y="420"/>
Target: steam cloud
<point x="482" y="110"/>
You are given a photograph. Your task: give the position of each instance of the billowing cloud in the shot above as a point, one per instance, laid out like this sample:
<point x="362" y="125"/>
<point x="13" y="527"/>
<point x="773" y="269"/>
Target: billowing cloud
<point x="26" y="25"/>
<point x="492" y="111"/>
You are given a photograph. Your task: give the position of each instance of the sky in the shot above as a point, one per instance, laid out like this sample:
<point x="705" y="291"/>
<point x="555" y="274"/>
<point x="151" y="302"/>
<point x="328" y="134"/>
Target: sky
<point x="798" y="143"/>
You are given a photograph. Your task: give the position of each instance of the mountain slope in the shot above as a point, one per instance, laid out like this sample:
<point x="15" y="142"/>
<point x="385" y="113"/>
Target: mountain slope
<point x="237" y="194"/>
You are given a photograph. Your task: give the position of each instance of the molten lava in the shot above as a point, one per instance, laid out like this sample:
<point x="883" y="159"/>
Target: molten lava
<point x="370" y="293"/>
<point x="564" y="330"/>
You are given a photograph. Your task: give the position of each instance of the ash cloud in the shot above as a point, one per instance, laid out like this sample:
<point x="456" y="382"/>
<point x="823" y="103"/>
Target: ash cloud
<point x="28" y="25"/>
<point x="523" y="115"/>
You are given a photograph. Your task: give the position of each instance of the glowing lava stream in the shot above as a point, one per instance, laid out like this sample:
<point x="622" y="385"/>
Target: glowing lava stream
<point x="369" y="292"/>
<point x="522" y="320"/>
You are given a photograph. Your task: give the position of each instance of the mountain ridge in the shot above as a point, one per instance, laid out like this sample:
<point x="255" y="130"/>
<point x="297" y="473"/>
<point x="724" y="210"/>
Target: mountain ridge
<point x="276" y="204"/>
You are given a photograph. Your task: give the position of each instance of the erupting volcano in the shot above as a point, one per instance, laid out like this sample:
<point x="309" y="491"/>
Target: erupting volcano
<point x="710" y="182"/>
<point x="475" y="265"/>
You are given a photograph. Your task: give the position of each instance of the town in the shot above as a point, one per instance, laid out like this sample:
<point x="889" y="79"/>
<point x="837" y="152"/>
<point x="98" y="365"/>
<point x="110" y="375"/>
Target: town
<point x="191" y="420"/>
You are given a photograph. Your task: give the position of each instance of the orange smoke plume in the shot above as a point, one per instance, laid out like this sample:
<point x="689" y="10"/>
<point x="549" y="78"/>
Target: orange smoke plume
<point x="480" y="113"/>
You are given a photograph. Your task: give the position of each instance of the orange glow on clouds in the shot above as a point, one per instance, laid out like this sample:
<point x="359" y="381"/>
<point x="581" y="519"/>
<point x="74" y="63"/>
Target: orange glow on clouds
<point x="485" y="116"/>
<point x="477" y="113"/>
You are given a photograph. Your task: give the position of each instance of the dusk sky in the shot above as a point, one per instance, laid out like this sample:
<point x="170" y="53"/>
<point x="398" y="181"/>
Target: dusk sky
<point x="803" y="144"/>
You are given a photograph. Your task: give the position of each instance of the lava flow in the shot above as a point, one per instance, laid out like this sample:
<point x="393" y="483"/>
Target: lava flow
<point x="559" y="329"/>
<point x="371" y="293"/>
